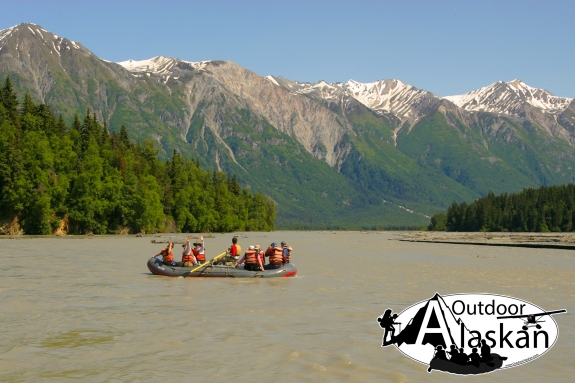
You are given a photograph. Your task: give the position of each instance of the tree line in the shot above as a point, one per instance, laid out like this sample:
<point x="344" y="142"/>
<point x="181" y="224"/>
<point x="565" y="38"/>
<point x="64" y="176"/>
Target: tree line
<point x="549" y="208"/>
<point x="85" y="179"/>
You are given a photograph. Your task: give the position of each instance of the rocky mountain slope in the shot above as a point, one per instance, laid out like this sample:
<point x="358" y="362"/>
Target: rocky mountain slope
<point x="371" y="155"/>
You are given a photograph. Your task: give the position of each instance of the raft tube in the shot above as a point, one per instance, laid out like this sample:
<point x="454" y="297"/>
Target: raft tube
<point x="157" y="267"/>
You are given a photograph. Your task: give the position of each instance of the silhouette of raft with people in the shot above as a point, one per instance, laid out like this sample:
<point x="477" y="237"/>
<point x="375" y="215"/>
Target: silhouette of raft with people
<point x="461" y="363"/>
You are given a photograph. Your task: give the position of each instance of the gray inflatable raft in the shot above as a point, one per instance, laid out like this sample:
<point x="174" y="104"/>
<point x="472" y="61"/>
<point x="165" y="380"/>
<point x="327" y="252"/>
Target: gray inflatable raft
<point x="157" y="267"/>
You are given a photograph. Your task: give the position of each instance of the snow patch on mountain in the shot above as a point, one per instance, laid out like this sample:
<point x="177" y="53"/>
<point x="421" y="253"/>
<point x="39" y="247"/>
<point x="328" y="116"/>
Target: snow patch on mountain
<point x="509" y="98"/>
<point x="6" y="32"/>
<point x="392" y="96"/>
<point x="323" y="89"/>
<point x="405" y="101"/>
<point x="158" y="65"/>
<point x="272" y="80"/>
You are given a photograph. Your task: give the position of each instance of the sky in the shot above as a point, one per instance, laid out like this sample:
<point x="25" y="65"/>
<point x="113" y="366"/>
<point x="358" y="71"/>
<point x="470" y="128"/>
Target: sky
<point x="445" y="47"/>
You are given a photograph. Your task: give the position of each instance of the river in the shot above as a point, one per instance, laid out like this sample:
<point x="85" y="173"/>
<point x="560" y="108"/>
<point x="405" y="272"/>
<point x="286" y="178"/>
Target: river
<point x="87" y="309"/>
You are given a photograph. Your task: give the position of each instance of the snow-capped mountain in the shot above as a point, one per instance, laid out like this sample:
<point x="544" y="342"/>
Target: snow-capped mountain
<point x="53" y="42"/>
<point x="405" y="101"/>
<point x="510" y="98"/>
<point x="162" y="67"/>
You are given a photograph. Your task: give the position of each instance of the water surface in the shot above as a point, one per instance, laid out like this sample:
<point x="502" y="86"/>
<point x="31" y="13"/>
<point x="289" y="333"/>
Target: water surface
<point x="87" y="309"/>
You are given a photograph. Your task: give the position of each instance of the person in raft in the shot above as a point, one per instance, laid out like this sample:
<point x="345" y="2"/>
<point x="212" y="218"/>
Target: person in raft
<point x="188" y="258"/>
<point x="261" y="257"/>
<point x="167" y="254"/>
<point x="286" y="252"/>
<point x="275" y="255"/>
<point x="252" y="259"/>
<point x="232" y="254"/>
<point x="200" y="251"/>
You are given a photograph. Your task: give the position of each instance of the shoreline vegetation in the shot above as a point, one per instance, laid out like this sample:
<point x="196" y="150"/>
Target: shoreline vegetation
<point x="534" y="240"/>
<point x="57" y="179"/>
<point x="547" y="209"/>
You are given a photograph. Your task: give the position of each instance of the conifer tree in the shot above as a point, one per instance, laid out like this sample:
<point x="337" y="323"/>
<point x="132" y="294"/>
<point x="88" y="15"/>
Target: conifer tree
<point x="10" y="101"/>
<point x="27" y="105"/>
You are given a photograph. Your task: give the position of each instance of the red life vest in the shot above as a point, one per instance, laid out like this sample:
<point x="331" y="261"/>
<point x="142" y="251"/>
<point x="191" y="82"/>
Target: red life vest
<point x="199" y="257"/>
<point x="235" y="250"/>
<point x="168" y="256"/>
<point x="276" y="256"/>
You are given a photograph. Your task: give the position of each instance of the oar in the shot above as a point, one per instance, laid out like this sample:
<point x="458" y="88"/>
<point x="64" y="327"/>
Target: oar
<point x="185" y="275"/>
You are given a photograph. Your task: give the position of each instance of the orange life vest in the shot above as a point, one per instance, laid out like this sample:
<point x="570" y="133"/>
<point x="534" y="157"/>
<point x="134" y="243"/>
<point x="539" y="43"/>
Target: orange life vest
<point x="251" y="257"/>
<point x="189" y="257"/>
<point x="199" y="257"/>
<point x="168" y="256"/>
<point x="276" y="256"/>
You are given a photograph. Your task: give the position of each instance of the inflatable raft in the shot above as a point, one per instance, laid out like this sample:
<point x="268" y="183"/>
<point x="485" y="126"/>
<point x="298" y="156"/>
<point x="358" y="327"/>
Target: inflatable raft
<point x="157" y="267"/>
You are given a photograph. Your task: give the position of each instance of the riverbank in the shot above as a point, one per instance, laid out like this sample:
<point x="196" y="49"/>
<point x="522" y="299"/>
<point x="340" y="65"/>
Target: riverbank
<point x="536" y="240"/>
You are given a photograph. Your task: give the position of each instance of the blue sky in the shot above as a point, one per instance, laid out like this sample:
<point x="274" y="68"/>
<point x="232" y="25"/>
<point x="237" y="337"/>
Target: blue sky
<point x="446" y="47"/>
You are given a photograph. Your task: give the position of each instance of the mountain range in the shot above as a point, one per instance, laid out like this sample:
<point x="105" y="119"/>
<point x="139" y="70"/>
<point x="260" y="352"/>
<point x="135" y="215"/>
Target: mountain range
<point x="347" y="155"/>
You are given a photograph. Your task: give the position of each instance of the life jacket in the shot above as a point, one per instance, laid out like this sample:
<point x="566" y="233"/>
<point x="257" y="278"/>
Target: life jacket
<point x="199" y="257"/>
<point x="276" y="256"/>
<point x="188" y="258"/>
<point x="251" y="257"/>
<point x="287" y="257"/>
<point x="167" y="256"/>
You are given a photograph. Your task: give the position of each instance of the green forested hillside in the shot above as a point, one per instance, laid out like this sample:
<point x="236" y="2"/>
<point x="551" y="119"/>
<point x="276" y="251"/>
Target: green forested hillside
<point x="545" y="209"/>
<point x="82" y="178"/>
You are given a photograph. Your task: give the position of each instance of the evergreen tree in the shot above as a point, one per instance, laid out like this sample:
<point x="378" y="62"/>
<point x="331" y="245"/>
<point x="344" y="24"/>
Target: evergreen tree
<point x="10" y="101"/>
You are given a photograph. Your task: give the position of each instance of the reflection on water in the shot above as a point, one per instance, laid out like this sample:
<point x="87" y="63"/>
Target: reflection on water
<point x="88" y="309"/>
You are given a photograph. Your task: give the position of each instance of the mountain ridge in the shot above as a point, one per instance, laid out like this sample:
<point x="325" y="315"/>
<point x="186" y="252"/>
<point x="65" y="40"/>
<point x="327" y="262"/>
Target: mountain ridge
<point x="323" y="152"/>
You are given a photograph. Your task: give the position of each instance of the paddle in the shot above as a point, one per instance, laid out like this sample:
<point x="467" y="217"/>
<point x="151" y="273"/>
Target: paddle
<point x="210" y="263"/>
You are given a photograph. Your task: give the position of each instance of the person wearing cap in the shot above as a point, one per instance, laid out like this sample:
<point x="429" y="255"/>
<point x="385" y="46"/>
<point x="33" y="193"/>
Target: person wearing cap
<point x="253" y="259"/>
<point x="188" y="257"/>
<point x="199" y="251"/>
<point x="275" y="255"/>
<point x="261" y="257"/>
<point x="286" y="252"/>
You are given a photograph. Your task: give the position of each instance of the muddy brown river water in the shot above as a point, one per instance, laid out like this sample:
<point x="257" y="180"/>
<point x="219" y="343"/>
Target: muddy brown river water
<point x="87" y="309"/>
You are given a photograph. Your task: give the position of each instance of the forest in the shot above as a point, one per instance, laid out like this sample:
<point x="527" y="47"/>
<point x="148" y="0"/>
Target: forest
<point x="549" y="208"/>
<point x="85" y="179"/>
